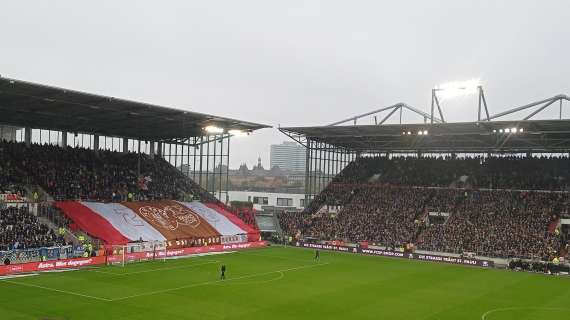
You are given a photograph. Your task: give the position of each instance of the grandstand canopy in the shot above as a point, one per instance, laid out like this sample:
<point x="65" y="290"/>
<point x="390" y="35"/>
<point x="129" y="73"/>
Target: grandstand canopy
<point x="27" y="104"/>
<point x="485" y="136"/>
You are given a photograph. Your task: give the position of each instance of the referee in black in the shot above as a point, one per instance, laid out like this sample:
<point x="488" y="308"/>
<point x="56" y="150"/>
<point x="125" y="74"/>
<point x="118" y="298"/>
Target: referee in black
<point x="223" y="272"/>
<point x="317" y="255"/>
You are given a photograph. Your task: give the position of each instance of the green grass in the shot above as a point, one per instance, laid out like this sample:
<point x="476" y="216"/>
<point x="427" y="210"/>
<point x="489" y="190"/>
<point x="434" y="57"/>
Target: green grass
<point x="285" y="283"/>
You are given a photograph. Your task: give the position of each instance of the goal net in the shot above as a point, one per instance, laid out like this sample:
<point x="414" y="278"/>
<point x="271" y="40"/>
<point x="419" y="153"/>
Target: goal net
<point x="136" y="252"/>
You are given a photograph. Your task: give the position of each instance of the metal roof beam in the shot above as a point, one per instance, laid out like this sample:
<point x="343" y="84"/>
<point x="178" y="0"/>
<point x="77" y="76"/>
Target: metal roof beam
<point x="530" y="105"/>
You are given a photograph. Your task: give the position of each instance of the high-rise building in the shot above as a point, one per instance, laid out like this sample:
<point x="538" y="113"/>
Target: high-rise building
<point x="288" y="156"/>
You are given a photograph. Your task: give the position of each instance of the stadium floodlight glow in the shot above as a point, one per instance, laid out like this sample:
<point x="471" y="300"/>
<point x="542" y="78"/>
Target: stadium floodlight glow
<point x="237" y="133"/>
<point x="213" y="129"/>
<point x="494" y="130"/>
<point x="420" y="132"/>
<point x="521" y="130"/>
<point x="456" y="88"/>
<point x="425" y="132"/>
<point x="514" y="130"/>
<point x="501" y="130"/>
<point x="409" y="132"/>
<point x="507" y="130"/>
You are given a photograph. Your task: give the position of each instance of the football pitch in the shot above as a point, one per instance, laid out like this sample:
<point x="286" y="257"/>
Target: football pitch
<point x="286" y="283"/>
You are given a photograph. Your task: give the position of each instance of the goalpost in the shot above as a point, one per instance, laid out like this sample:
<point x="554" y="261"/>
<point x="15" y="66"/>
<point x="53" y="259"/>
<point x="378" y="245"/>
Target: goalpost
<point x="136" y="252"/>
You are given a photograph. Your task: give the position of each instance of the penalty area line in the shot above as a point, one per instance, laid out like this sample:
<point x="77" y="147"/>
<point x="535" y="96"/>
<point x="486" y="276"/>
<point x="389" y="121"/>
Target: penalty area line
<point x="218" y="281"/>
<point x="118" y="274"/>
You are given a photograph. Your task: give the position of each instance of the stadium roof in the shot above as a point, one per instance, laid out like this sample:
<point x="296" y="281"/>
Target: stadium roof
<point x="28" y="104"/>
<point x="484" y="136"/>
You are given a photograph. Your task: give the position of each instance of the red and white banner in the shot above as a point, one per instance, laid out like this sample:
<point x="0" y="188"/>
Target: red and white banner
<point x="51" y="265"/>
<point x="185" y="251"/>
<point x="82" y="262"/>
<point x="11" y="197"/>
<point x="116" y="223"/>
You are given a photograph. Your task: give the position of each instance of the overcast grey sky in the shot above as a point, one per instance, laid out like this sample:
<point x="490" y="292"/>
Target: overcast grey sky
<point x="290" y="62"/>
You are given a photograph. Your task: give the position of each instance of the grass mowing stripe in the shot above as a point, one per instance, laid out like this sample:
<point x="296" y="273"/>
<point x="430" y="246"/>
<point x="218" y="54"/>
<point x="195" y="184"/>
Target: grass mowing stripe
<point x="218" y="281"/>
<point x="57" y="290"/>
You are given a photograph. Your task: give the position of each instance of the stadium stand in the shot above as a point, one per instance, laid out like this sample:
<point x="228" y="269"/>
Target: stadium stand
<point x="20" y="229"/>
<point x="78" y="173"/>
<point x="386" y="201"/>
<point x="78" y="196"/>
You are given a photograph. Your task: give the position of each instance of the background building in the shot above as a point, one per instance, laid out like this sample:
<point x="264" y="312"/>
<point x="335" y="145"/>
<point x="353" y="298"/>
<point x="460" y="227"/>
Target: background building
<point x="288" y="156"/>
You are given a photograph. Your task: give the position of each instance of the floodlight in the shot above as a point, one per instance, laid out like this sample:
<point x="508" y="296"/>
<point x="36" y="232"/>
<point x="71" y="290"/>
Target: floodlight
<point x="521" y="130"/>
<point x="237" y="133"/>
<point x="452" y="89"/>
<point x="501" y="130"/>
<point x="425" y="132"/>
<point x="494" y="130"/>
<point x="507" y="130"/>
<point x="420" y="132"/>
<point x="409" y="132"/>
<point x="213" y="129"/>
<point x="514" y="130"/>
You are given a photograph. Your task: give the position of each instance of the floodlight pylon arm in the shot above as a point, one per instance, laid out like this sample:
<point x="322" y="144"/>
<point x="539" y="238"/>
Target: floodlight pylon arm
<point x="363" y="115"/>
<point x="530" y="105"/>
<point x="397" y="107"/>
<point x="421" y="113"/>
<point x="484" y="101"/>
<point x="540" y="109"/>
<point x="393" y="108"/>
<point x="438" y="107"/>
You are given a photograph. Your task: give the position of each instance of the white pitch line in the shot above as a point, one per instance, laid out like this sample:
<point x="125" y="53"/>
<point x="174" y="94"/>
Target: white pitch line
<point x="217" y="281"/>
<point x="153" y="270"/>
<point x="484" y="316"/>
<point x="57" y="290"/>
<point x="281" y="276"/>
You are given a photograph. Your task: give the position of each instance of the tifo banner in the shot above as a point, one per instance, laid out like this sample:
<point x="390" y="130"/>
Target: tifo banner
<point x="398" y="254"/>
<point x="120" y="223"/>
<point x="217" y="220"/>
<point x="91" y="222"/>
<point x="173" y="220"/>
<point x="126" y="221"/>
<point x="252" y="234"/>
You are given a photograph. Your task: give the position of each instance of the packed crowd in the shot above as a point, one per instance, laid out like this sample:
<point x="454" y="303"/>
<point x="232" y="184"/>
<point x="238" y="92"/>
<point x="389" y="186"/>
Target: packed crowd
<point x="489" y="223"/>
<point x="524" y="173"/>
<point x="10" y="181"/>
<point x="247" y="216"/>
<point x="386" y="201"/>
<point x="20" y="229"/>
<point x="77" y="173"/>
<point x="498" y="224"/>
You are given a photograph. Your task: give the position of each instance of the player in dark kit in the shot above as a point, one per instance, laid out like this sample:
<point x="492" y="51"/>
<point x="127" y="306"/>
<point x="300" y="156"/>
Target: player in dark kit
<point x="317" y="255"/>
<point x="223" y="272"/>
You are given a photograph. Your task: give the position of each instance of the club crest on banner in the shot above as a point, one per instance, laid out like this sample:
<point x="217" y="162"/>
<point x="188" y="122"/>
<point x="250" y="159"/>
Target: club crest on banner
<point x="171" y="217"/>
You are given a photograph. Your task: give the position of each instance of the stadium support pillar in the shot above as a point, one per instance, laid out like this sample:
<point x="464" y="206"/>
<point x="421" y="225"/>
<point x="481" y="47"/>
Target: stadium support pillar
<point x="64" y="139"/>
<point x="125" y="145"/>
<point x="95" y="142"/>
<point x="159" y="149"/>
<point x="151" y="149"/>
<point x="28" y="135"/>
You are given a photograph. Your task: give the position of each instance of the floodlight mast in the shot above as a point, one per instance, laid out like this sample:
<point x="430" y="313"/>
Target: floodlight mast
<point x="455" y="88"/>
